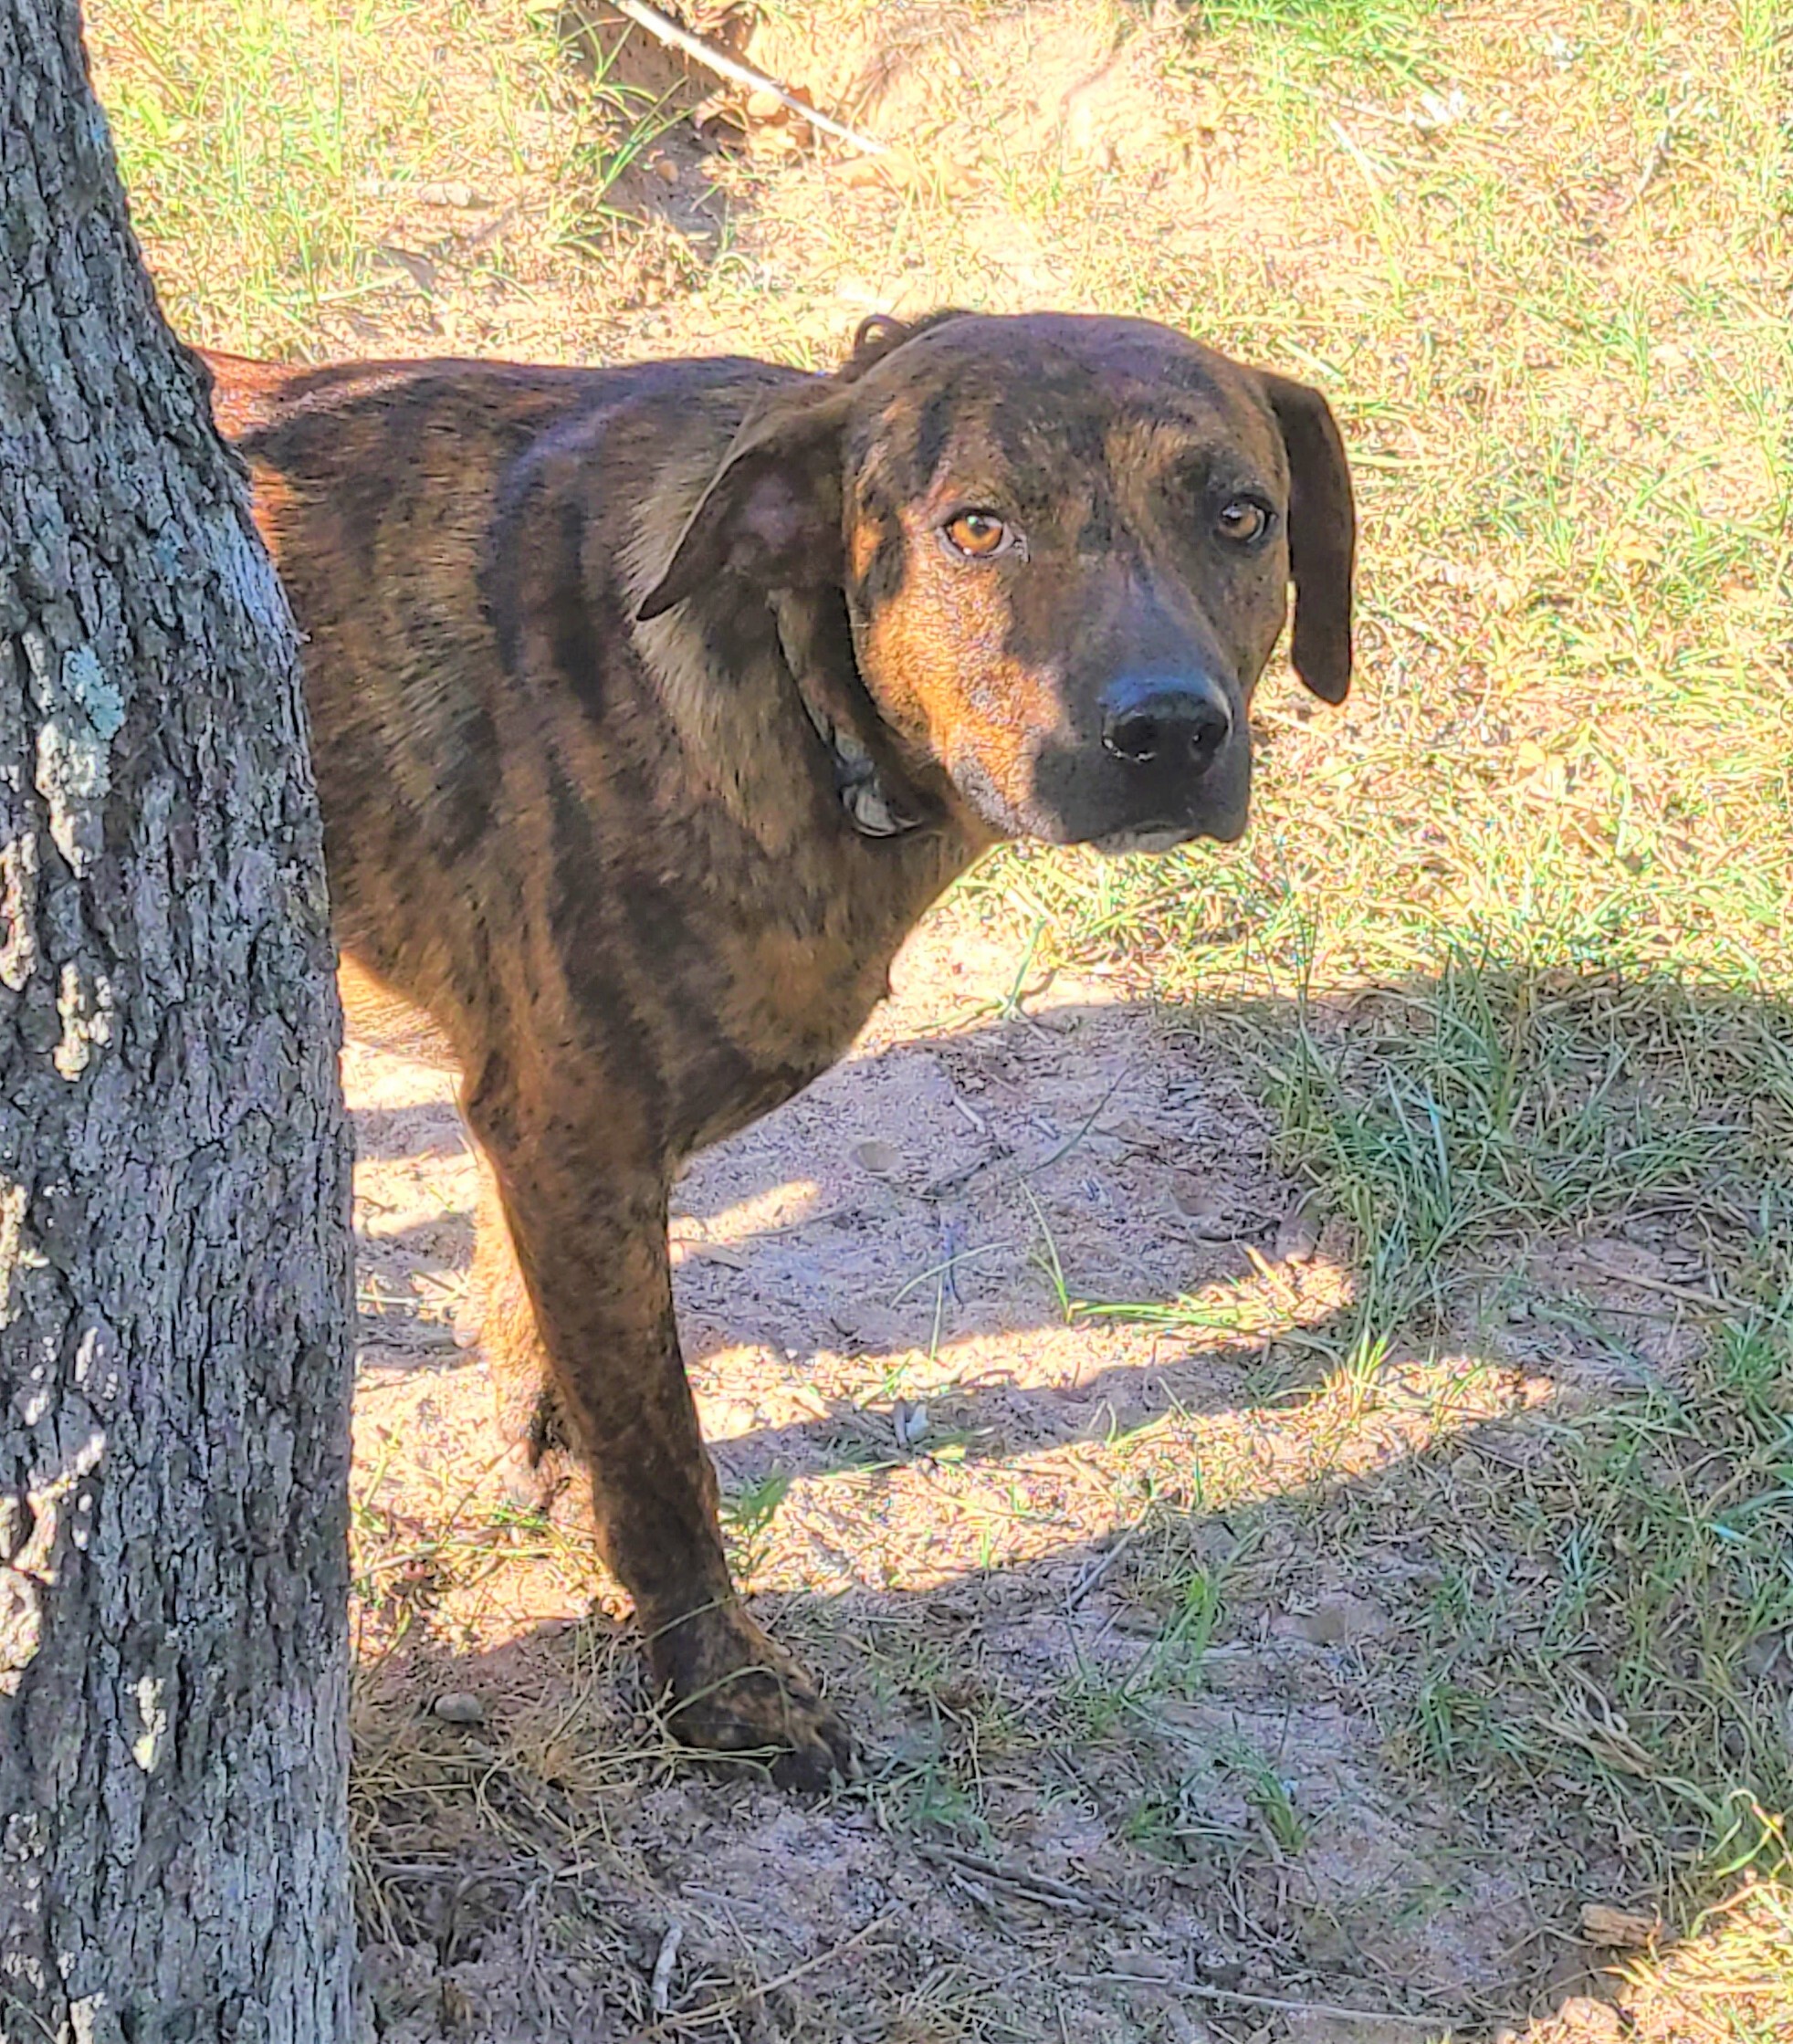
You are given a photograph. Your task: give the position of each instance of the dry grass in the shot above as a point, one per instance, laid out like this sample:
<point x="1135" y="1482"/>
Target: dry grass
<point x="1427" y="1580"/>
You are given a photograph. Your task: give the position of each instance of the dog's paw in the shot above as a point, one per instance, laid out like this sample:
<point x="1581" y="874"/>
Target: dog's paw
<point x="733" y="1692"/>
<point x="550" y="1485"/>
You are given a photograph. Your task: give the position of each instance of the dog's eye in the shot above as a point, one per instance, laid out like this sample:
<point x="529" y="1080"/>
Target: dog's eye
<point x="978" y="535"/>
<point x="1241" y="520"/>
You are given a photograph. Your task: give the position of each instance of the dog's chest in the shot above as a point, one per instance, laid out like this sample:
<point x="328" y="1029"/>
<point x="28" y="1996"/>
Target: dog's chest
<point x="784" y="1003"/>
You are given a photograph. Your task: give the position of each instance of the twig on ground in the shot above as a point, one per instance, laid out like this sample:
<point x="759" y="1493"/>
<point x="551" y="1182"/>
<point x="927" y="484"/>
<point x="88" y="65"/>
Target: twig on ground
<point x="1095" y="1570"/>
<point x="1199" y="1990"/>
<point x="659" y="1991"/>
<point x="1082" y="1129"/>
<point x="653" y="23"/>
<point x="1371" y="176"/>
<point x="693" y="2019"/>
<point x="1711" y="1301"/>
<point x="1652" y="170"/>
<point x="1035" y="1887"/>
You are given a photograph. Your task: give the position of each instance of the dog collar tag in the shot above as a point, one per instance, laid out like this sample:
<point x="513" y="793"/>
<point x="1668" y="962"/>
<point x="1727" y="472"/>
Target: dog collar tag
<point x="858" y="783"/>
<point x="863" y="795"/>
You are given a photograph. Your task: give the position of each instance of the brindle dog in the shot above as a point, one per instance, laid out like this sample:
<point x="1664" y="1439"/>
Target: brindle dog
<point x="652" y="705"/>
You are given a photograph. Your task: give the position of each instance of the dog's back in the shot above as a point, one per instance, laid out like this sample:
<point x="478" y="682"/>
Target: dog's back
<point x="512" y="774"/>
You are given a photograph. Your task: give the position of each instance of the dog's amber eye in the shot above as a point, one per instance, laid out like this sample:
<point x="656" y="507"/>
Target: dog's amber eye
<point x="977" y="534"/>
<point x="1242" y="520"/>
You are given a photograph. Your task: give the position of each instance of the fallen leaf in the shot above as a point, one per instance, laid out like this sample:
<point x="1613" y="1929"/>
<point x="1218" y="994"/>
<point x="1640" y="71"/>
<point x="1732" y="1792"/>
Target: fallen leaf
<point x="896" y="168"/>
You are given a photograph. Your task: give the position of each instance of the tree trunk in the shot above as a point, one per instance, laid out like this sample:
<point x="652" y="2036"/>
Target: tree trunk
<point x="174" y="1259"/>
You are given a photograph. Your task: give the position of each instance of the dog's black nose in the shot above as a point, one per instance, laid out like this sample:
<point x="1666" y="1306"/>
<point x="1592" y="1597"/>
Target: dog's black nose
<point x="1165" y="723"/>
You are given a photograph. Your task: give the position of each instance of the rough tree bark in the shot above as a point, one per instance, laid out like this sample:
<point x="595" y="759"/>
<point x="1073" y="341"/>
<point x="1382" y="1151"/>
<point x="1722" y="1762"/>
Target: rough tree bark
<point x="173" y="1228"/>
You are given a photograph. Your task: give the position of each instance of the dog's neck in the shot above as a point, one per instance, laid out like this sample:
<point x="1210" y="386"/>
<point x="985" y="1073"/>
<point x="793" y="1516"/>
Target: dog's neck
<point x="879" y="799"/>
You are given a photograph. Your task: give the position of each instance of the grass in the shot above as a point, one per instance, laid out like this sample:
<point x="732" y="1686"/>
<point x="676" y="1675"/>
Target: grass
<point x="298" y="168"/>
<point x="1506" y="954"/>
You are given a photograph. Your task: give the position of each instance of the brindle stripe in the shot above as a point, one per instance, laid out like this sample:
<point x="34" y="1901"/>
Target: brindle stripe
<point x="567" y="611"/>
<point x="881" y="576"/>
<point x="580" y="915"/>
<point x="932" y="431"/>
<point x="468" y="782"/>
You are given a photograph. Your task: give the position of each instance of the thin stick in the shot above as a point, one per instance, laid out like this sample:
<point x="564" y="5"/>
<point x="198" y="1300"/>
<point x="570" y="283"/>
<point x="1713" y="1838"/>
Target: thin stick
<point x="689" y="2019"/>
<point x="1093" y="1571"/>
<point x="1365" y="169"/>
<point x="659" y="1991"/>
<point x="1653" y="170"/>
<point x="657" y="25"/>
<point x="1038" y="1887"/>
<point x="1710" y="1300"/>
<point x="1016" y="1884"/>
<point x="1201" y="1991"/>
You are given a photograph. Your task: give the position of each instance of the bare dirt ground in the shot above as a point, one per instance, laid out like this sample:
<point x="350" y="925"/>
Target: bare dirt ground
<point x="1127" y="1719"/>
<point x="869" y="1283"/>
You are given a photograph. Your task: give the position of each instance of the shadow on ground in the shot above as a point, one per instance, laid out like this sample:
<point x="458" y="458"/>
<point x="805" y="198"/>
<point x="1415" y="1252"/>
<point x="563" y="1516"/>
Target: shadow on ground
<point x="1209" y="1656"/>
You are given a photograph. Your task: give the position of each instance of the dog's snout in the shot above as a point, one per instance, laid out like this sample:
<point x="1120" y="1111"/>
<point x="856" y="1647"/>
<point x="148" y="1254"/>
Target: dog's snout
<point x="1166" y="722"/>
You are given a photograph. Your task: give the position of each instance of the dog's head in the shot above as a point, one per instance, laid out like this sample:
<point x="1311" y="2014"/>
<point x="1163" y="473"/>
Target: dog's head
<point x="1064" y="545"/>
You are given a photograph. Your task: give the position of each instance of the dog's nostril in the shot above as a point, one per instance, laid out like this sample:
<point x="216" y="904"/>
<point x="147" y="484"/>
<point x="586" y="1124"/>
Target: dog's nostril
<point x="1168" y="727"/>
<point x="1138" y="739"/>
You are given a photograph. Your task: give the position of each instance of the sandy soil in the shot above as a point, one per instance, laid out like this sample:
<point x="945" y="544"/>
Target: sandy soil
<point x="1126" y="1728"/>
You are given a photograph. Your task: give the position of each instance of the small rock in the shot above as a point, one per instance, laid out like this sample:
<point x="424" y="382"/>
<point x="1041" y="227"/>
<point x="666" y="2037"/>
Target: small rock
<point x="1759" y="1656"/>
<point x="1337" y="1620"/>
<point x="1140" y="1964"/>
<point x="909" y="1422"/>
<point x="1622" y="1929"/>
<point x="459" y="1707"/>
<point x="880" y="1159"/>
<point x="1588" y="2021"/>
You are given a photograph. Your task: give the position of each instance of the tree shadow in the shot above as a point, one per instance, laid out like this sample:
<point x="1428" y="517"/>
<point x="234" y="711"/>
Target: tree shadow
<point x="1206" y="1649"/>
<point x="1076" y="1796"/>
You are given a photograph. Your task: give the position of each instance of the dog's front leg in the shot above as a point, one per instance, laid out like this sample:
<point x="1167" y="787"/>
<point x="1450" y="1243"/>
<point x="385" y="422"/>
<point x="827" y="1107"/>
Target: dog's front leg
<point x="591" y="1247"/>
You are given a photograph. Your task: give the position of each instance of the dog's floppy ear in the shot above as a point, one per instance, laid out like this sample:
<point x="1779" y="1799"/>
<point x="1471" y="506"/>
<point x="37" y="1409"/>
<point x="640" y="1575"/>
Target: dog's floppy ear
<point x="1323" y="536"/>
<point x="772" y="513"/>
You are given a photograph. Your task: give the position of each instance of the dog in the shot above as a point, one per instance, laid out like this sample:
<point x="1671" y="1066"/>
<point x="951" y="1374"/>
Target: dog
<point x="652" y="705"/>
